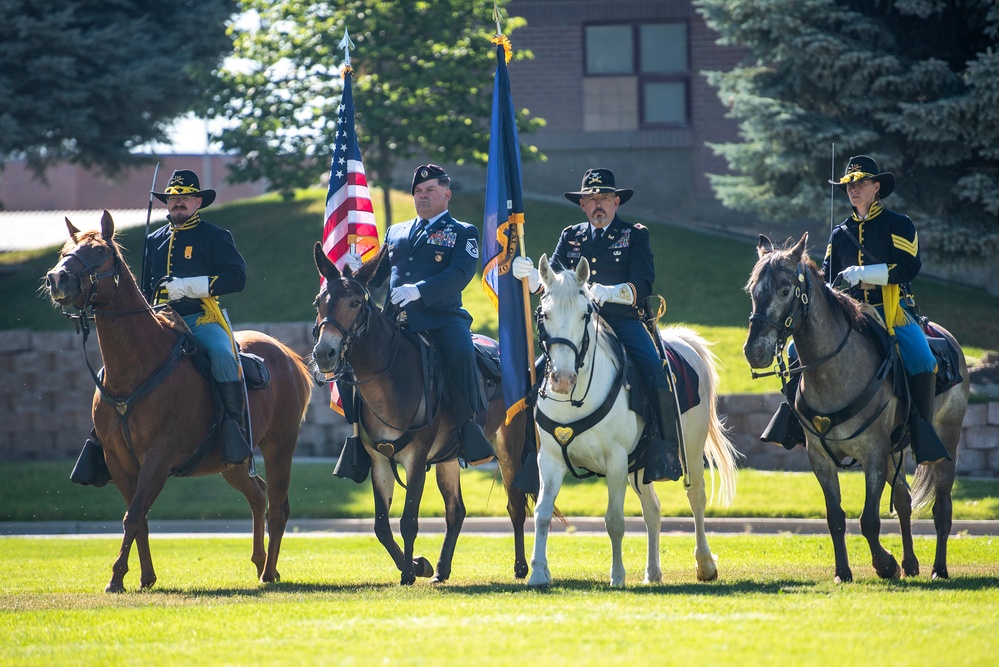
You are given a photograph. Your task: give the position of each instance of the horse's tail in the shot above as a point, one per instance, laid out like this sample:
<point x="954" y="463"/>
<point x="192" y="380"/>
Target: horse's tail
<point x="303" y="378"/>
<point x="927" y="481"/>
<point x="720" y="452"/>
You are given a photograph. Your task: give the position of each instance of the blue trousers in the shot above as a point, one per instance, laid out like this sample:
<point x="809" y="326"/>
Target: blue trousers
<point x="215" y="341"/>
<point x="642" y="350"/>
<point x="454" y="340"/>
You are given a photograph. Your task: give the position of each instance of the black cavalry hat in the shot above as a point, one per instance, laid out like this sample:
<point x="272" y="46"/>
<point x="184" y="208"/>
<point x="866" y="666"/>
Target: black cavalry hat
<point x="427" y="172"/>
<point x="865" y="168"/>
<point x="185" y="182"/>
<point x="598" y="181"/>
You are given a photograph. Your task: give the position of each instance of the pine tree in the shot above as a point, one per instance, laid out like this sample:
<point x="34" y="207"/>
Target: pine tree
<point x="89" y="81"/>
<point x="913" y="83"/>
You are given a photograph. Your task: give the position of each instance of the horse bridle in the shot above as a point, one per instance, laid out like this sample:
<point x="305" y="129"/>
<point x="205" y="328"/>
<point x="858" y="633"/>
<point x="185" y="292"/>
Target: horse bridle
<point x="88" y="278"/>
<point x="547" y="341"/>
<point x="797" y="306"/>
<point x="349" y="334"/>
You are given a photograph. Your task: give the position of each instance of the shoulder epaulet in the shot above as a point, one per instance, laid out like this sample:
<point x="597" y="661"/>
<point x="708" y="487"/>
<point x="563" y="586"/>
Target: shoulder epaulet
<point x="638" y="225"/>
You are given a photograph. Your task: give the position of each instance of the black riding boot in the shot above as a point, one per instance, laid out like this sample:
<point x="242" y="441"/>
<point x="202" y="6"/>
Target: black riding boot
<point x="235" y="450"/>
<point x="662" y="455"/>
<point x="926" y="444"/>
<point x="784" y="428"/>
<point x="91" y="468"/>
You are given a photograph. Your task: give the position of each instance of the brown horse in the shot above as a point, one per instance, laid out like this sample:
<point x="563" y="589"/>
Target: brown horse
<point x="849" y="390"/>
<point x="357" y="342"/>
<point x="149" y="429"/>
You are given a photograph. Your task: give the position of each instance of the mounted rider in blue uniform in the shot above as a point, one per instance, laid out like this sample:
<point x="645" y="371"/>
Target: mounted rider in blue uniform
<point x="189" y="263"/>
<point x="431" y="258"/>
<point x="622" y="272"/>
<point x="876" y="252"/>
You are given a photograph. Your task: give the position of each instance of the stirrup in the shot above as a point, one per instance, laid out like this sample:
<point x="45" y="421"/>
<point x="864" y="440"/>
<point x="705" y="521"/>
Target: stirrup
<point x="784" y="429"/>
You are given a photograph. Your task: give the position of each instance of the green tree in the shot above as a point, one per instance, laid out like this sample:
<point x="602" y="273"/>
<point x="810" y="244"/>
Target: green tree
<point x="914" y="83"/>
<point x="89" y="81"/>
<point x="423" y="74"/>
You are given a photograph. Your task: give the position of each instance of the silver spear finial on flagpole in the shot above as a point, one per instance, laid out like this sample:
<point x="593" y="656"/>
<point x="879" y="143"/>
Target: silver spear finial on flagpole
<point x="496" y="17"/>
<point x="346" y="45"/>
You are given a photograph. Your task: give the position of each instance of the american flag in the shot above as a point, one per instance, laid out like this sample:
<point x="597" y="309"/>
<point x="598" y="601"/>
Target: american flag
<point x="350" y="220"/>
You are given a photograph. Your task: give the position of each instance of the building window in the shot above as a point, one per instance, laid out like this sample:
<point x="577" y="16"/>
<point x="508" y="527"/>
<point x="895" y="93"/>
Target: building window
<point x="637" y="76"/>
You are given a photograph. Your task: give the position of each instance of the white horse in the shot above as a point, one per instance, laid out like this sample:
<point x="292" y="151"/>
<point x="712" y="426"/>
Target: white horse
<point x="581" y="358"/>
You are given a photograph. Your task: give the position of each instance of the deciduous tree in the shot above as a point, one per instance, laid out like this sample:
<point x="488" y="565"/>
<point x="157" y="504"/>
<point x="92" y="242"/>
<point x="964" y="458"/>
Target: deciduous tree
<point x="423" y="74"/>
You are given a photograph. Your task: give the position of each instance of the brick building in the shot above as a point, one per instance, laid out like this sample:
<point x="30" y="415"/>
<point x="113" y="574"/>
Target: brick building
<point x="620" y="85"/>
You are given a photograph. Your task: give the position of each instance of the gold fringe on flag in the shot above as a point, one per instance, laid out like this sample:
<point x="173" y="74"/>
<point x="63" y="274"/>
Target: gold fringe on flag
<point x="507" y="47"/>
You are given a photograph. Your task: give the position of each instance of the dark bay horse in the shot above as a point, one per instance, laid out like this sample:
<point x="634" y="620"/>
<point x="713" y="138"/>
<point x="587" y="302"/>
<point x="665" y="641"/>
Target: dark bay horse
<point x="155" y="427"/>
<point x="358" y="342"/>
<point x="841" y="363"/>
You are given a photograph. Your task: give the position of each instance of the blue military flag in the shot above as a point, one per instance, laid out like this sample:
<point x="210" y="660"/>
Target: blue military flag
<point x="502" y="236"/>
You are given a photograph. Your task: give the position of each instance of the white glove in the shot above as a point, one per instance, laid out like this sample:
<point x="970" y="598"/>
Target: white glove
<point x="352" y="260"/>
<point x="192" y="288"/>
<point x="404" y="295"/>
<point x="612" y="294"/>
<point x="874" y="274"/>
<point x="523" y="268"/>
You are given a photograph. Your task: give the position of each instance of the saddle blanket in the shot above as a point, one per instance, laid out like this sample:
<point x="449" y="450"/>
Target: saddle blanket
<point x="685" y="379"/>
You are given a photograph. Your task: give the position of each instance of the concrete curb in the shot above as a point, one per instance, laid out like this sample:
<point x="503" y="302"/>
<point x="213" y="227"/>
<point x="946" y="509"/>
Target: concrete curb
<point x="498" y="526"/>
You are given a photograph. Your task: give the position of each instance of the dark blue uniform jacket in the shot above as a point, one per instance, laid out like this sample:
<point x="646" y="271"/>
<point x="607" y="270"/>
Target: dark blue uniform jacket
<point x="623" y="255"/>
<point x="889" y="236"/>
<point x="440" y="263"/>
<point x="203" y="250"/>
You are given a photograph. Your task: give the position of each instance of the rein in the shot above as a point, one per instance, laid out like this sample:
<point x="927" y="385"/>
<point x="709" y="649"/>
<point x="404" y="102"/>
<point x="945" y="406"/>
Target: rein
<point x="580" y="353"/>
<point x="816" y="423"/>
<point x="350" y="335"/>
<point x="565" y="433"/>
<point x="122" y="405"/>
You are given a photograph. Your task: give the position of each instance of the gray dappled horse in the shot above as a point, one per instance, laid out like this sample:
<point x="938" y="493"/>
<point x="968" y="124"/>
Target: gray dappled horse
<point x="840" y="361"/>
<point x="581" y="358"/>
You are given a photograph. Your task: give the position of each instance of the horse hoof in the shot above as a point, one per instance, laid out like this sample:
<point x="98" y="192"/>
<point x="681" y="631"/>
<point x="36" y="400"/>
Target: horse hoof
<point x="843" y="578"/>
<point x="422" y="567"/>
<point x="407" y="580"/>
<point x="710" y="577"/>
<point x="148" y="583"/>
<point x="940" y="573"/>
<point x="520" y="571"/>
<point x="114" y="588"/>
<point x="438" y="579"/>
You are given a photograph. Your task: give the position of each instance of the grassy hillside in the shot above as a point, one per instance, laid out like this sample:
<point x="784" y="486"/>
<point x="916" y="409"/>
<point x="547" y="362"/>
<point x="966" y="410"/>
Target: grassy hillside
<point x="701" y="275"/>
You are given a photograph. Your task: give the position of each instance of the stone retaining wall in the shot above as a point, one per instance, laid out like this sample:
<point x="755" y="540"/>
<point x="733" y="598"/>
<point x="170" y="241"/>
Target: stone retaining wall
<point x="46" y="393"/>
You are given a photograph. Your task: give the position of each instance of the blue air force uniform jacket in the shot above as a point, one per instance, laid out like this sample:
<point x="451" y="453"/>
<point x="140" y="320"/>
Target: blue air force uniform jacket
<point x="440" y="262"/>
<point x="889" y="236"/>
<point x="203" y="249"/>
<point x="623" y="255"/>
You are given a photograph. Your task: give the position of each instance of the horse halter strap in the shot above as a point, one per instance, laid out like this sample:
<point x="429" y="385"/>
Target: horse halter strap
<point x="580" y="352"/>
<point x="357" y="328"/>
<point x="89" y="276"/>
<point x="795" y="314"/>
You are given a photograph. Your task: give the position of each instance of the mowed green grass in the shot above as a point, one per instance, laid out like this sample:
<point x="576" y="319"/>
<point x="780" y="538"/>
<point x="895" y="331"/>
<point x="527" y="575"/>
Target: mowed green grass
<point x="41" y="491"/>
<point x="339" y="602"/>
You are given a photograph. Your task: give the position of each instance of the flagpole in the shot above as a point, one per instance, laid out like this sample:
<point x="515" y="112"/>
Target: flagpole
<point x="522" y="243"/>
<point x="347" y="45"/>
